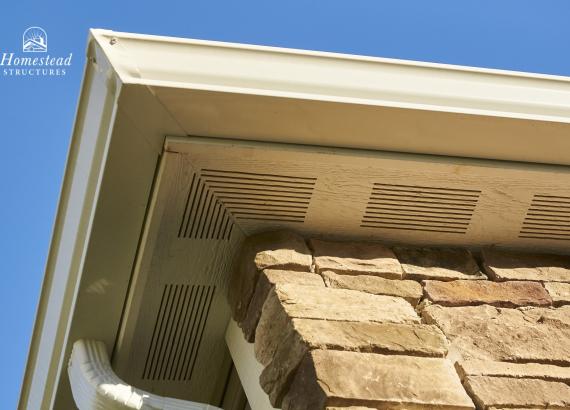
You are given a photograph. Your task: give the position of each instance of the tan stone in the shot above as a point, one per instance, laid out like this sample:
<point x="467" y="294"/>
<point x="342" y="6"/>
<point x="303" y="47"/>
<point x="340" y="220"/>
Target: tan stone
<point x="355" y="258"/>
<point x="515" y="335"/>
<point x="343" y="379"/>
<point x="267" y="279"/>
<point x="407" y="289"/>
<point x="304" y="334"/>
<point x="511" y="392"/>
<point x="559" y="292"/>
<point x="277" y="250"/>
<point x="438" y="263"/>
<point x="502" y="265"/>
<point x="310" y="302"/>
<point x="350" y="408"/>
<point x="470" y="292"/>
<point x="515" y="370"/>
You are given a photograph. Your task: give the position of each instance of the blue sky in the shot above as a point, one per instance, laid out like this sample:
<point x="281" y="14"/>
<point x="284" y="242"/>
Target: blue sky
<point x="37" y="113"/>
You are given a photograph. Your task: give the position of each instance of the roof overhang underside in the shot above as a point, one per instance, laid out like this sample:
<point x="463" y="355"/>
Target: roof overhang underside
<point x="139" y="89"/>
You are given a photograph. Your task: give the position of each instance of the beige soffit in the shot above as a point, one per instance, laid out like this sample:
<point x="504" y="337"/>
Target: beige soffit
<point x="137" y="89"/>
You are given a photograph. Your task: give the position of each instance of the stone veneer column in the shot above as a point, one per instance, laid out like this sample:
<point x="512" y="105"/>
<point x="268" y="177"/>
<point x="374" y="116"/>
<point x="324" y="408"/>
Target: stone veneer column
<point x="359" y="325"/>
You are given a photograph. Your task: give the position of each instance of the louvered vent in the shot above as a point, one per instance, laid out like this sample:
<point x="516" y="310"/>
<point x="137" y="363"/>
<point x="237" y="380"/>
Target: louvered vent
<point x="420" y="208"/>
<point x="178" y="332"/>
<point x="204" y="215"/>
<point x="267" y="197"/>
<point x="548" y="217"/>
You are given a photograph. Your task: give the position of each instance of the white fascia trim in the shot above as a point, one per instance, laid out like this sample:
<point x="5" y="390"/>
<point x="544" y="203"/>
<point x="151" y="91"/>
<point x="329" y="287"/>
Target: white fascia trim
<point x="95" y="385"/>
<point x="159" y="61"/>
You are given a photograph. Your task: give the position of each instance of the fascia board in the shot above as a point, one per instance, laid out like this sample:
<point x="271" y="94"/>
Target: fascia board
<point x="270" y="71"/>
<point x="73" y="223"/>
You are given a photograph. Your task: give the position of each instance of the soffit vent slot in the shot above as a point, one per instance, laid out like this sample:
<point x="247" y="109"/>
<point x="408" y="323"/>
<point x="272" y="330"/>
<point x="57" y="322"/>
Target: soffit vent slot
<point x="548" y="217"/>
<point x="204" y="217"/>
<point x="420" y="208"/>
<point x="262" y="197"/>
<point x="178" y="332"/>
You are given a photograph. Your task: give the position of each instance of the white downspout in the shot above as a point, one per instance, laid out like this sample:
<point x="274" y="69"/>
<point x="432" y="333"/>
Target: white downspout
<point x="95" y="386"/>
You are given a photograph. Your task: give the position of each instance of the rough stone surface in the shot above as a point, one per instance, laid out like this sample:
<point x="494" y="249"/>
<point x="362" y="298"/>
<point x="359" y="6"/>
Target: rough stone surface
<point x="355" y="258"/>
<point x="350" y="408"/>
<point x="559" y="292"/>
<point x="502" y="265"/>
<point x="515" y="335"/>
<point x="277" y="250"/>
<point x="342" y="379"/>
<point x="516" y="370"/>
<point x="267" y="279"/>
<point x="438" y="263"/>
<point x="310" y="302"/>
<point x="510" y="392"/>
<point x="471" y="292"/>
<point x="407" y="289"/>
<point x="305" y="334"/>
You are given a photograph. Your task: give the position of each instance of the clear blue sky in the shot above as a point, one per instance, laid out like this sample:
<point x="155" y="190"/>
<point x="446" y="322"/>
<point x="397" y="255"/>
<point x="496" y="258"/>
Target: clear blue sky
<point x="37" y="114"/>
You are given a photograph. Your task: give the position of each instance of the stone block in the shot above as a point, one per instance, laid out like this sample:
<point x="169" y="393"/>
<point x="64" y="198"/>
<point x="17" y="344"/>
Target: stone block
<point x="535" y="334"/>
<point x="407" y="289"/>
<point x="506" y="392"/>
<point x="310" y="302"/>
<point x="334" y="378"/>
<point x="514" y="370"/>
<point x="502" y="265"/>
<point x="276" y="250"/>
<point x="559" y="292"/>
<point x="478" y="292"/>
<point x="438" y="263"/>
<point x="355" y="258"/>
<point x="267" y="280"/>
<point x="309" y="334"/>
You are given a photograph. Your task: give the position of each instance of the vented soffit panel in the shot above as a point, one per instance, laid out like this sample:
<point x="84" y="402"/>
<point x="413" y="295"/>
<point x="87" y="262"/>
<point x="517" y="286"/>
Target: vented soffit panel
<point x="399" y="198"/>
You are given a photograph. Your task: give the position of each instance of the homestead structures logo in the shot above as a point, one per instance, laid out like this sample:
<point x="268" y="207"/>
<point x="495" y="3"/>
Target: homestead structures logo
<point x="30" y="64"/>
<point x="34" y="40"/>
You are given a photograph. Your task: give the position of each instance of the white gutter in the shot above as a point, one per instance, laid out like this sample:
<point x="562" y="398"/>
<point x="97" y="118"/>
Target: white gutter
<point x="96" y="386"/>
<point x="158" y="61"/>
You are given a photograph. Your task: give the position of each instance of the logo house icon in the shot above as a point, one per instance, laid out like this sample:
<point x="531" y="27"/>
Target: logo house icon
<point x="34" y="40"/>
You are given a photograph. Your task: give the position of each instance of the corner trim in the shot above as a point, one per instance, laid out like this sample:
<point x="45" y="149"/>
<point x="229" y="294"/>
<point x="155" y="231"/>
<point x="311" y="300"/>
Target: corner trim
<point x="247" y="367"/>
